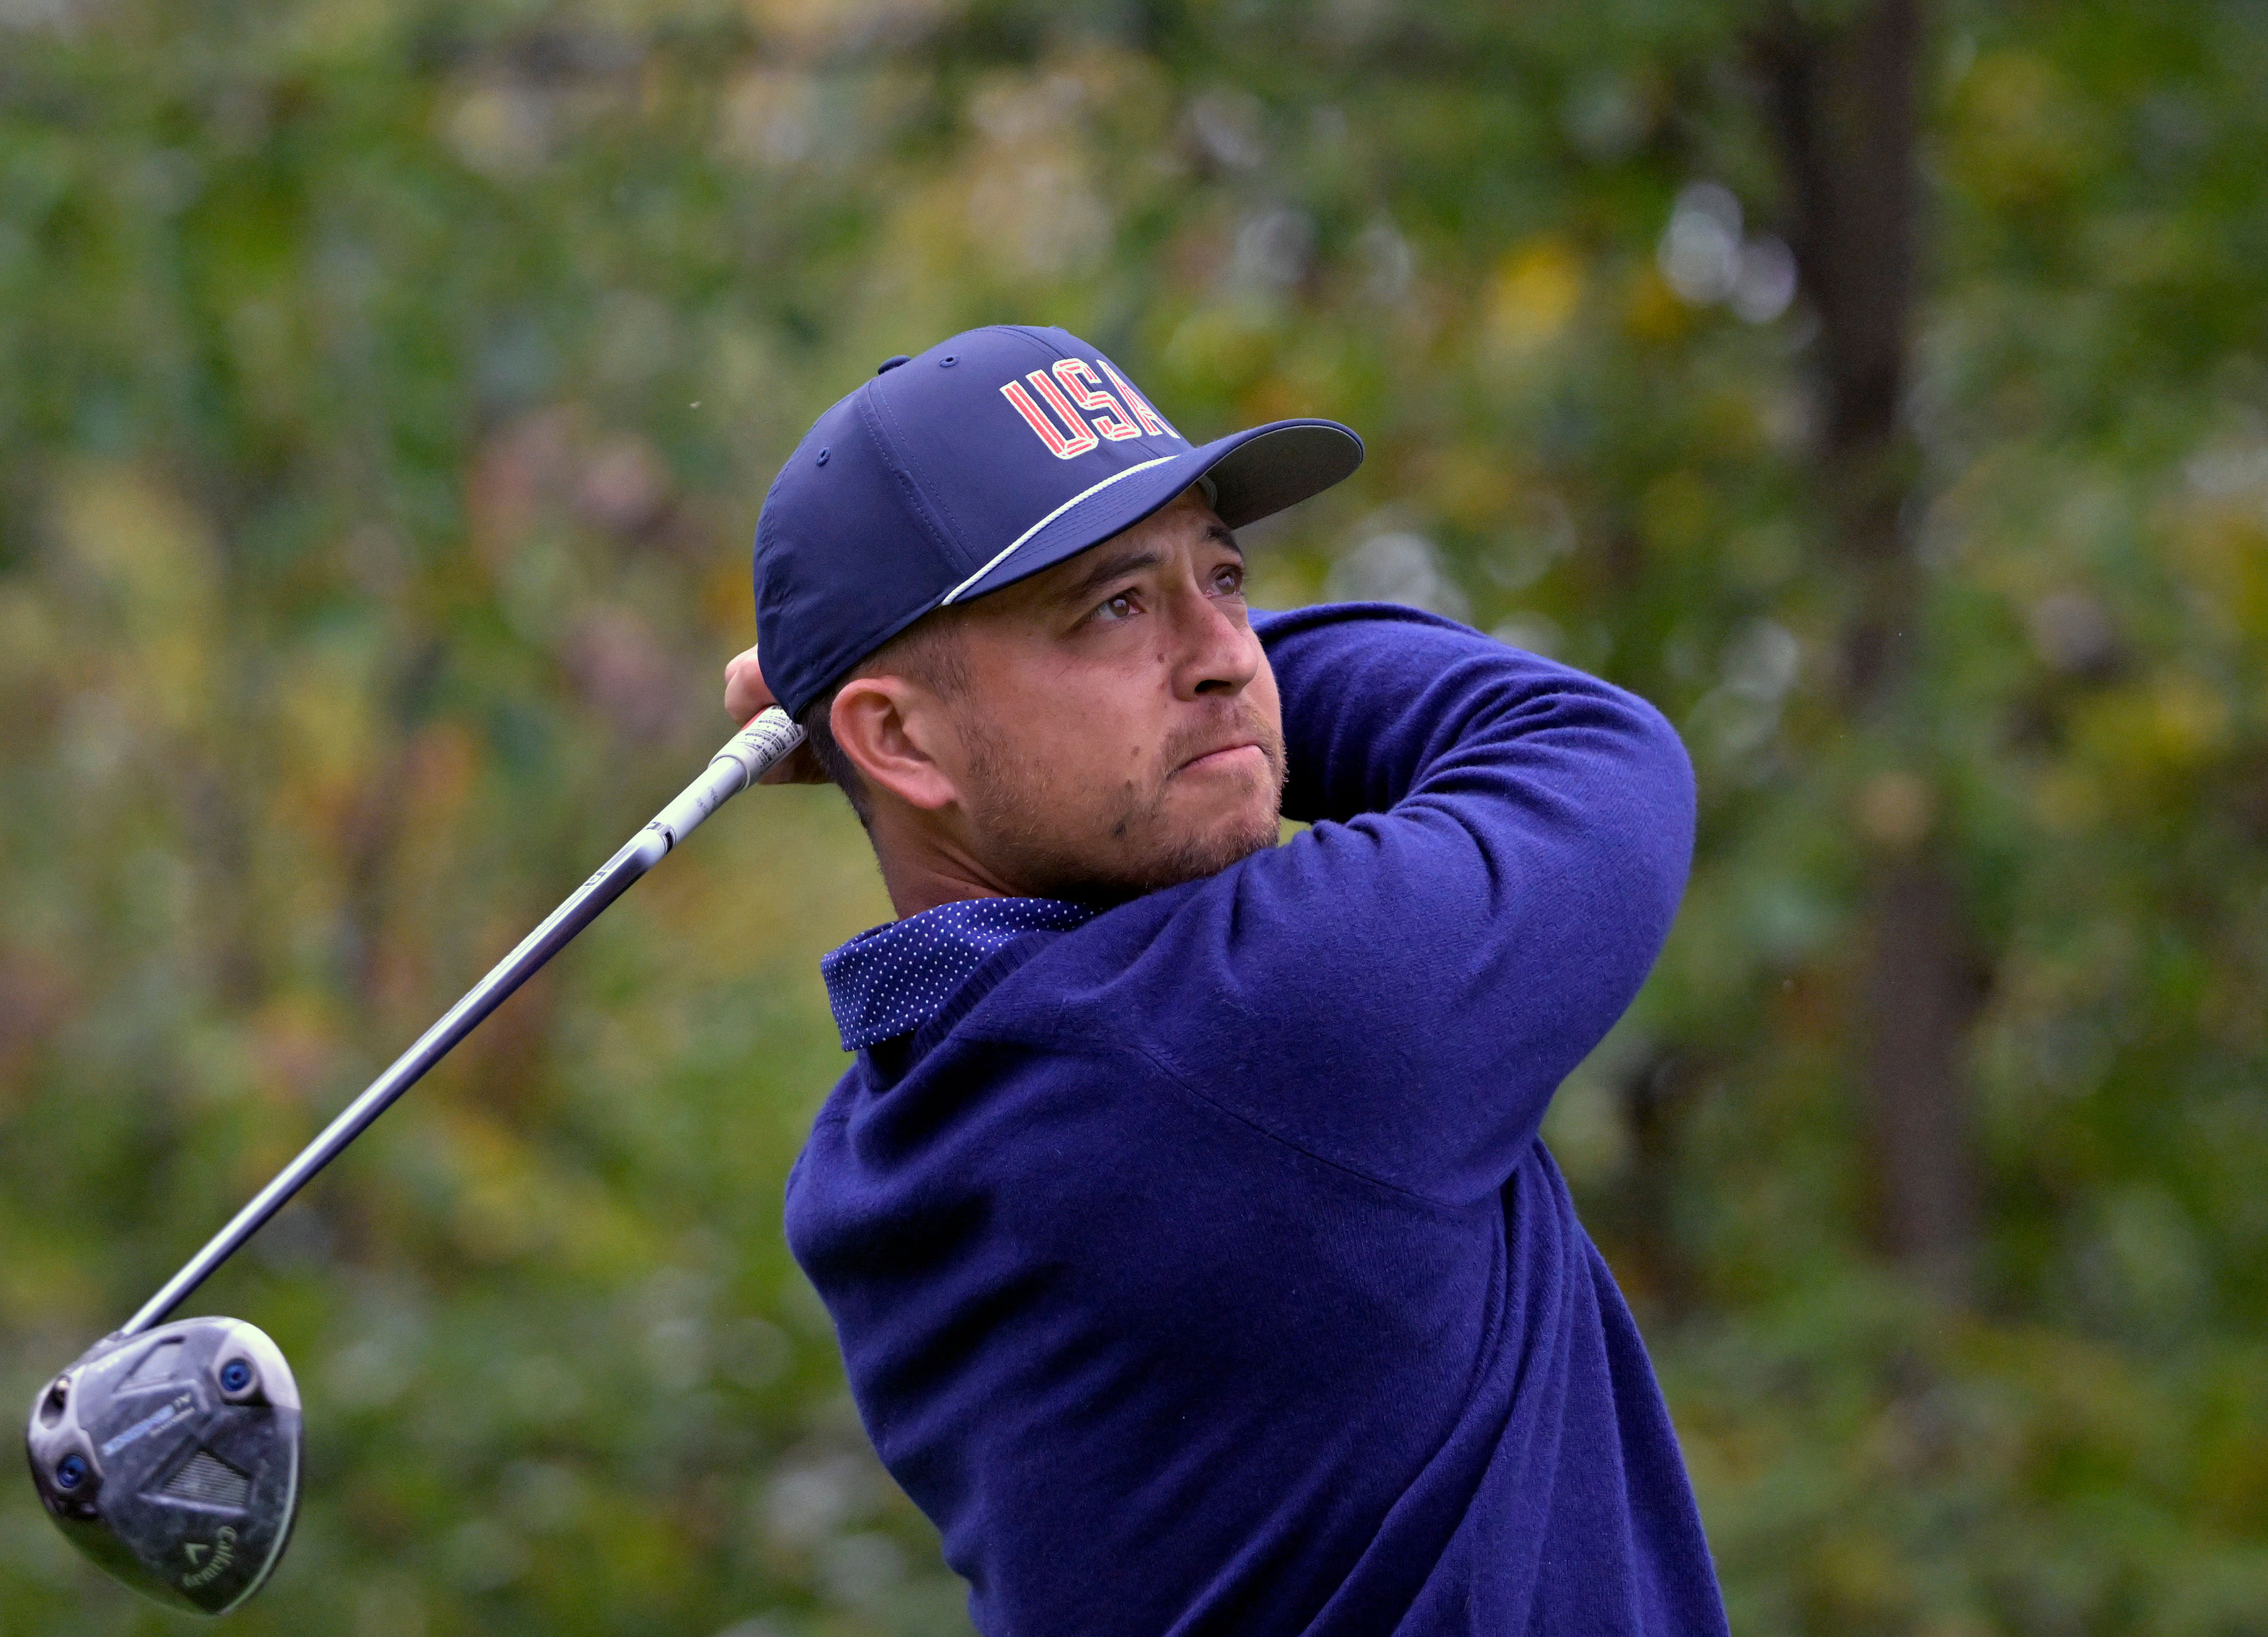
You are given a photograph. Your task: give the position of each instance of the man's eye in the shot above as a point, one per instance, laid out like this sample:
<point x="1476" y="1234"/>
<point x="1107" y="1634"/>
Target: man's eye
<point x="1228" y="578"/>
<point x="1118" y="608"/>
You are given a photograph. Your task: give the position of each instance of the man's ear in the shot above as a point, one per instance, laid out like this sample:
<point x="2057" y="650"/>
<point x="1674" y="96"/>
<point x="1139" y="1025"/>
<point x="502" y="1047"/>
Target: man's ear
<point x="900" y="737"/>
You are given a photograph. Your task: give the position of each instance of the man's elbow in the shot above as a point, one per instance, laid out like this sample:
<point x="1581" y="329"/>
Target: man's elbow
<point x="1657" y="803"/>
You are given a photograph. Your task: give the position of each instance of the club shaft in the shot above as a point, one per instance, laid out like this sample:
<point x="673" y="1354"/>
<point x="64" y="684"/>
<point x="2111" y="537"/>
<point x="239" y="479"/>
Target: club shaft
<point x="745" y="759"/>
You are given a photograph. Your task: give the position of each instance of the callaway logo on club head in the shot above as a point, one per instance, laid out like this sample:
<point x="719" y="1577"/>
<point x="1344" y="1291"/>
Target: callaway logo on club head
<point x="1073" y="382"/>
<point x="222" y="1553"/>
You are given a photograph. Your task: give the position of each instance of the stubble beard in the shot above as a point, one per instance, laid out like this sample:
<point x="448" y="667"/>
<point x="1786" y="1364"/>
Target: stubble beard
<point x="1132" y="849"/>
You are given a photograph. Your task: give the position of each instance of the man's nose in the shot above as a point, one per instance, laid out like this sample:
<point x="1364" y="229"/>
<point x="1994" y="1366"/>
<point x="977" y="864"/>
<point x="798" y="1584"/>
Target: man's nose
<point x="1219" y="654"/>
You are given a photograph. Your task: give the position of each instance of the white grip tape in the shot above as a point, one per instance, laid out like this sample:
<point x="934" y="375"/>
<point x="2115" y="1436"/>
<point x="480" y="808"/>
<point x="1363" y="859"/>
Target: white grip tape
<point x="761" y="745"/>
<point x="747" y="757"/>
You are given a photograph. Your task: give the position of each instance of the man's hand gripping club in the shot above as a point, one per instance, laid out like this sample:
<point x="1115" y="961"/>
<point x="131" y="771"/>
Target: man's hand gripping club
<point x="746" y="694"/>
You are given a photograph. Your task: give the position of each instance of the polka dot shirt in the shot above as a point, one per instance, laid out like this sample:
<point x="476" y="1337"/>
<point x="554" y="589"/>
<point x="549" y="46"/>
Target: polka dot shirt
<point x="897" y="977"/>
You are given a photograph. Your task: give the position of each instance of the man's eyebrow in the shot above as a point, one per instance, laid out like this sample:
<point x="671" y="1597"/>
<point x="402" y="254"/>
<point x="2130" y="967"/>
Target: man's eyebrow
<point x="1132" y="560"/>
<point x="1109" y="569"/>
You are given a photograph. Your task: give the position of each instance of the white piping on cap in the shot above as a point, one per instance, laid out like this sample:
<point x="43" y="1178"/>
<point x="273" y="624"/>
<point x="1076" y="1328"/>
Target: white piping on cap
<point x="1009" y="549"/>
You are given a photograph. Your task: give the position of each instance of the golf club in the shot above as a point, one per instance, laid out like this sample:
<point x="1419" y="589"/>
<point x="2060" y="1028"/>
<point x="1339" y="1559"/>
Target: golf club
<point x="169" y="1454"/>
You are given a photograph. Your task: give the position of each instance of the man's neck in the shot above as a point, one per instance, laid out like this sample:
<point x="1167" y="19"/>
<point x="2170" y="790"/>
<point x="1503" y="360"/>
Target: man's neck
<point x="913" y="891"/>
<point x="922" y="869"/>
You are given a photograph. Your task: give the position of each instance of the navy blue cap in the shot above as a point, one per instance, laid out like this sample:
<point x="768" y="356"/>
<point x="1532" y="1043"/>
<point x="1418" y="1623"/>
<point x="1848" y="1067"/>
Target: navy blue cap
<point x="991" y="456"/>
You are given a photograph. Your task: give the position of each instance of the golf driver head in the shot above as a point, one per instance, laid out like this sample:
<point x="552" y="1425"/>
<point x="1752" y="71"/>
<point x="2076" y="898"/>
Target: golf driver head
<point x="172" y="1458"/>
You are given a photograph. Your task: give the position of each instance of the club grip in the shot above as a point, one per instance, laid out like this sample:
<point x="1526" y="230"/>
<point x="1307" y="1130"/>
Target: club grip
<point x="763" y="745"/>
<point x="747" y="757"/>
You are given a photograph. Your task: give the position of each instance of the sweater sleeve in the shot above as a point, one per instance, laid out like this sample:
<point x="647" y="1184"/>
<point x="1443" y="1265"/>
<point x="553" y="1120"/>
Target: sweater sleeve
<point x="1497" y="846"/>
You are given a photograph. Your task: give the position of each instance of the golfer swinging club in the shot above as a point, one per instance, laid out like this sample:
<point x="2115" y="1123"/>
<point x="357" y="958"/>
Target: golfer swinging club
<point x="1196" y="1264"/>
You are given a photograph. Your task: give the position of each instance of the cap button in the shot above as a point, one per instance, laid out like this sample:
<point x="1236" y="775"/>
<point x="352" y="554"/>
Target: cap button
<point x="888" y="364"/>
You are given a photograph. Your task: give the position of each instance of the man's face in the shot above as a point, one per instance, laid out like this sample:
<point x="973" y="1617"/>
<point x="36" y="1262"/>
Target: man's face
<point x="1120" y="731"/>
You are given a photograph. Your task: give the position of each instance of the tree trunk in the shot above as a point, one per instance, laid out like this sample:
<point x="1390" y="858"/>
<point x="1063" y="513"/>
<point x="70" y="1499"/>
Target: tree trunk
<point x="1653" y="1096"/>
<point x="1841" y="102"/>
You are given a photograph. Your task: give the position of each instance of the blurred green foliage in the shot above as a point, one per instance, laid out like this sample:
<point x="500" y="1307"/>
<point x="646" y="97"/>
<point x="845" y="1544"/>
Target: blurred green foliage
<point x="386" y="395"/>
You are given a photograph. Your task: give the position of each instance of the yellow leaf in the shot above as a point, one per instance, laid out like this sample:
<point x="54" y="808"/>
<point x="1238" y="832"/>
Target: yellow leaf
<point x="1535" y="293"/>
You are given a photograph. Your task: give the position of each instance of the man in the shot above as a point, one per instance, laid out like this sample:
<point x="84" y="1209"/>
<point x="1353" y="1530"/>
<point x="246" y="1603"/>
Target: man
<point x="1196" y="1264"/>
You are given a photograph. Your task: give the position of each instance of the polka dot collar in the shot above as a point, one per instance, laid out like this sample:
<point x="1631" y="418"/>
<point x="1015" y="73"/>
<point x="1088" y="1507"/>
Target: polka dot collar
<point x="897" y="977"/>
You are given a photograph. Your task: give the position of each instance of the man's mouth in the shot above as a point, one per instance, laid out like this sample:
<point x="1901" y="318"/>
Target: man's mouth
<point x="1244" y="752"/>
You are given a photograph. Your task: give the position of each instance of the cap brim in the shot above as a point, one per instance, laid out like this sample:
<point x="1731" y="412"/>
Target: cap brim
<point x="1256" y="473"/>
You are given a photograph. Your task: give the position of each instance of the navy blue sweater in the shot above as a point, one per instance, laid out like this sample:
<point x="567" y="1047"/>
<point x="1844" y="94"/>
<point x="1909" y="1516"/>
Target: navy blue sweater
<point x="1200" y="1269"/>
